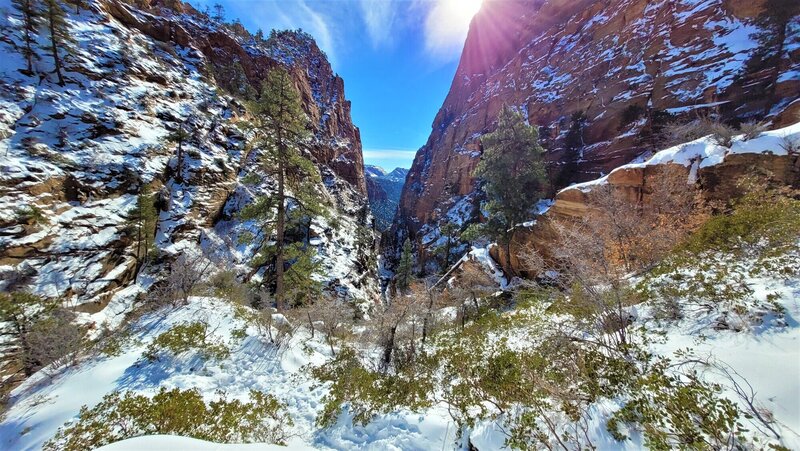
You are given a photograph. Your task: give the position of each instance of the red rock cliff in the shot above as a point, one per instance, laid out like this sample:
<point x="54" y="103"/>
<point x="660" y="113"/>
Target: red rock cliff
<point x="623" y="64"/>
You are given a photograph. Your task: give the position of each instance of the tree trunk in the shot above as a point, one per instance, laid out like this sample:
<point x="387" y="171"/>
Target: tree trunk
<point x="388" y="347"/>
<point x="54" y="43"/>
<point x="280" y="226"/>
<point x="508" y="260"/>
<point x="310" y="324"/>
<point x="179" y="175"/>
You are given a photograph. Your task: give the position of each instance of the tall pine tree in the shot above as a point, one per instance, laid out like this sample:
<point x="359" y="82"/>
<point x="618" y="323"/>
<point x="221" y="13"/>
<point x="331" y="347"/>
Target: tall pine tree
<point x="179" y="137"/>
<point x="513" y="174"/>
<point x="405" y="268"/>
<point x="31" y="17"/>
<point x="279" y="128"/>
<point x="143" y="220"/>
<point x="59" y="34"/>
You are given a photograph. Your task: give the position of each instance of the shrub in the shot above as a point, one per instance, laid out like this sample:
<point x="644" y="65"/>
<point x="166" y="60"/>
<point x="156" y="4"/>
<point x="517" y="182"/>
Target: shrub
<point x="710" y="270"/>
<point x="54" y="339"/>
<point x="31" y="214"/>
<point x="178" y="412"/>
<point x="721" y="133"/>
<point x="225" y="285"/>
<point x="366" y="392"/>
<point x="753" y="129"/>
<point x="679" y="414"/>
<point x="186" y="337"/>
<point x="40" y="331"/>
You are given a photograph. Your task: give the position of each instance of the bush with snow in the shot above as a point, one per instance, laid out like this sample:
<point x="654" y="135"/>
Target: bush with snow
<point x="185" y="337"/>
<point x="176" y="412"/>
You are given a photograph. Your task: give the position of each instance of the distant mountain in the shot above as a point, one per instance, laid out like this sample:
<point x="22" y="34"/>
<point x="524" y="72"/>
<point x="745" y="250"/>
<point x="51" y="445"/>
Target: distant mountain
<point x="398" y="174"/>
<point x="384" y="191"/>
<point x="374" y="171"/>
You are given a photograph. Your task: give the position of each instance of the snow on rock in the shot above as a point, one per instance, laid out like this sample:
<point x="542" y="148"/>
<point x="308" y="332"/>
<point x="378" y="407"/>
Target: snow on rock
<point x="705" y="152"/>
<point x="80" y="155"/>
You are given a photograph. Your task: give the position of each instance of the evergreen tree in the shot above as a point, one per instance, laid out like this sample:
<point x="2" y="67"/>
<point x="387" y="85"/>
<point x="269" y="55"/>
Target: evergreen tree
<point x="450" y="233"/>
<point x="178" y="137"/>
<point x="573" y="143"/>
<point x="59" y="34"/>
<point x="513" y="174"/>
<point x="219" y="13"/>
<point x="279" y="127"/>
<point x="302" y="287"/>
<point x="405" y="268"/>
<point x="31" y="17"/>
<point x="259" y="36"/>
<point x="143" y="220"/>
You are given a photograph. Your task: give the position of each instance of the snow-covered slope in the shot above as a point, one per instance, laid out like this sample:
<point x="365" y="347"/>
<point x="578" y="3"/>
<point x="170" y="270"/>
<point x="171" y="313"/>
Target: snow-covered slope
<point x="765" y="356"/>
<point x="79" y="155"/>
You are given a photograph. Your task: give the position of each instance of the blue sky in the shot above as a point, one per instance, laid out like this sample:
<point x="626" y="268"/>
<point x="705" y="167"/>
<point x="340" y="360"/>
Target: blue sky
<point x="397" y="58"/>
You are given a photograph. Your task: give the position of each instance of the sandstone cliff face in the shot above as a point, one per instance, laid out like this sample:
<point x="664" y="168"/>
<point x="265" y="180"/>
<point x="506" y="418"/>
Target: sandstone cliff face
<point x="612" y="70"/>
<point x="776" y="158"/>
<point x="77" y="157"/>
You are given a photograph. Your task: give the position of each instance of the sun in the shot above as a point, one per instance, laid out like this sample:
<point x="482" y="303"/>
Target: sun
<point x="463" y="10"/>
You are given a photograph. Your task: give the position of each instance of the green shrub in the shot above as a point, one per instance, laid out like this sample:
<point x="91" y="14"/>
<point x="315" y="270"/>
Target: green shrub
<point x="177" y="412"/>
<point x="367" y="392"/>
<point x="678" y="412"/>
<point x="31" y="214"/>
<point x="759" y="237"/>
<point x="186" y="337"/>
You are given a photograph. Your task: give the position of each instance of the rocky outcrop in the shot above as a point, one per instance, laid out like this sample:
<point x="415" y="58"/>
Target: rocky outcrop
<point x="599" y="78"/>
<point x="80" y="158"/>
<point x="338" y="143"/>
<point x="717" y="182"/>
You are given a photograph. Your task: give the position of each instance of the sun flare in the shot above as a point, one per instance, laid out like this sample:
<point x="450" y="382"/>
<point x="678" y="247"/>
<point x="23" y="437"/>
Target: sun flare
<point x="463" y="10"/>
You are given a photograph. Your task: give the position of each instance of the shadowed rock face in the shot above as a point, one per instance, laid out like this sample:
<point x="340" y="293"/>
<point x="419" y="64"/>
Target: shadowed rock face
<point x="624" y="65"/>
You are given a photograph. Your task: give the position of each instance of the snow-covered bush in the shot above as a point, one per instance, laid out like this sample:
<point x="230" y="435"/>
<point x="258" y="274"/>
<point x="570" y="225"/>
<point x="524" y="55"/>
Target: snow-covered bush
<point x="39" y="332"/>
<point x="186" y="337"/>
<point x="178" y="412"/>
<point x="709" y="272"/>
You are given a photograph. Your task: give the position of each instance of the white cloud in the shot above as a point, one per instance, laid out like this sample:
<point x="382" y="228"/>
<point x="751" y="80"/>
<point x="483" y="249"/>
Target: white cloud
<point x="385" y="154"/>
<point x="378" y="17"/>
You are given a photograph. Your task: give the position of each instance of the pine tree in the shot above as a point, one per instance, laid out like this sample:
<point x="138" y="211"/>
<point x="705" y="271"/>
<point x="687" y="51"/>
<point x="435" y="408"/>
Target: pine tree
<point x="302" y="286"/>
<point x="513" y="175"/>
<point x="219" y="13"/>
<point x="259" y="36"/>
<point x="31" y="17"/>
<point x="405" y="267"/>
<point x="142" y="220"/>
<point x="59" y="34"/>
<point x="573" y="143"/>
<point x="279" y="127"/>
<point x="450" y="233"/>
<point x="178" y="137"/>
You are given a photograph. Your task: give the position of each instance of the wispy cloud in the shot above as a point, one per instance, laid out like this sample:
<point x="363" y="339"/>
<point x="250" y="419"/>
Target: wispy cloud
<point x="379" y="19"/>
<point x="389" y="154"/>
